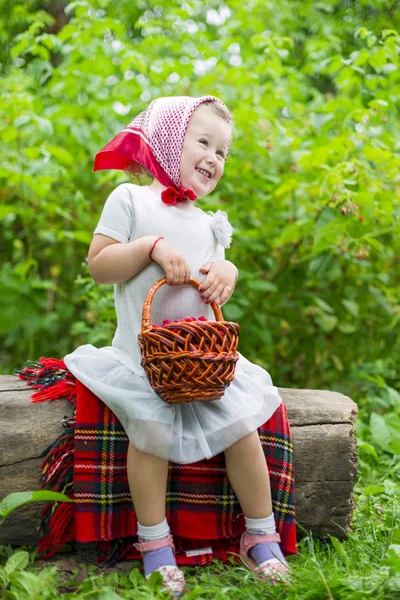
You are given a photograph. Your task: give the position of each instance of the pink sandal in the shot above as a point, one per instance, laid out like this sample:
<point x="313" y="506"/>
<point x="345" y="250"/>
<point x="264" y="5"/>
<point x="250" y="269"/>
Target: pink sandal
<point x="271" y="570"/>
<point x="173" y="577"/>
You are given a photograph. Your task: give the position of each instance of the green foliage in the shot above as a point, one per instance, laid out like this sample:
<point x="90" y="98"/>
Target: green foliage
<point x="17" y="499"/>
<point x="311" y="185"/>
<point x="366" y="565"/>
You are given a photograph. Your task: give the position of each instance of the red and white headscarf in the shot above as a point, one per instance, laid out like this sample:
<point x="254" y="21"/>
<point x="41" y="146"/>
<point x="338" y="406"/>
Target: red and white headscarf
<point x="154" y="140"/>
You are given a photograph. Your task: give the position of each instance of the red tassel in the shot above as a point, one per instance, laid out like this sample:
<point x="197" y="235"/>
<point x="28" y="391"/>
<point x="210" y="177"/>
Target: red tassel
<point x="60" y="389"/>
<point x="58" y="461"/>
<point x="36" y="369"/>
<point x="51" y="378"/>
<point x="52" y="363"/>
<point x="61" y="529"/>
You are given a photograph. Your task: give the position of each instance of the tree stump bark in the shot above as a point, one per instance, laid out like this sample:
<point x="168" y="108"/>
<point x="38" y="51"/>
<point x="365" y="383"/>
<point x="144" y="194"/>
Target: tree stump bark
<point x="325" y="453"/>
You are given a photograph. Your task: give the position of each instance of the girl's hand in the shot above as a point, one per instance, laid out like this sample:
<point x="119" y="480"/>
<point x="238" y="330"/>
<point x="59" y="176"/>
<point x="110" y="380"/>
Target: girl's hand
<point x="177" y="269"/>
<point x="220" y="281"/>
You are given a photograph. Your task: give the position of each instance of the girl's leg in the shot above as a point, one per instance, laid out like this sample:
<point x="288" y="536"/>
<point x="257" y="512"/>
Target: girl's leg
<point x="147" y="476"/>
<point x="248" y="475"/>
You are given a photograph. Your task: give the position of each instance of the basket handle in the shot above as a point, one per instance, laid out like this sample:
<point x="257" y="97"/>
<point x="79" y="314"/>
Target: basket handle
<point x="149" y="298"/>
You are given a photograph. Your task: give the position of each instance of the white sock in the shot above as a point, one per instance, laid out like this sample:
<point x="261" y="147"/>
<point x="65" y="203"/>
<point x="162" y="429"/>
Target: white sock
<point x="153" y="532"/>
<point x="261" y="526"/>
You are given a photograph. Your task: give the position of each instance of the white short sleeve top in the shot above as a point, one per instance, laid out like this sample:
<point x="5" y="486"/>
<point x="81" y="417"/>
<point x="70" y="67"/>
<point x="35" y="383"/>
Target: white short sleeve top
<point x="133" y="211"/>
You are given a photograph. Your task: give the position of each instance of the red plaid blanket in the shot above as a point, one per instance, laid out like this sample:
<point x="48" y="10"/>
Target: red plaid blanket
<point x="88" y="463"/>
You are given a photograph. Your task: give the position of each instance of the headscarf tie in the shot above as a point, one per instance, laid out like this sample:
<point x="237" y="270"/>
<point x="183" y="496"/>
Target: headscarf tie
<point x="154" y="140"/>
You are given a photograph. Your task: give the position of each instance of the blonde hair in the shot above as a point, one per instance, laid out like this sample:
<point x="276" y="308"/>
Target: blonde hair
<point x="219" y="109"/>
<point x="138" y="173"/>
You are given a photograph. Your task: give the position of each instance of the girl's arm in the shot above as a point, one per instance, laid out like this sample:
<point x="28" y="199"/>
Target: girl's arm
<point x="113" y="262"/>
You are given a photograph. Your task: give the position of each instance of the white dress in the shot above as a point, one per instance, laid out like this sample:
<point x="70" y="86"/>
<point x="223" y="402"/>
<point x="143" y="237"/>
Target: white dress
<point x="182" y="433"/>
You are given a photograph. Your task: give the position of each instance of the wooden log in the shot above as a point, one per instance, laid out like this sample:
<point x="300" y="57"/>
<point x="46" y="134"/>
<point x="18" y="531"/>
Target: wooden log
<point x="322" y="425"/>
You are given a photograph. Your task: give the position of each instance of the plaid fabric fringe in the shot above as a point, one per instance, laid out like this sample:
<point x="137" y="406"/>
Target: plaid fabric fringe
<point x="53" y="380"/>
<point x="87" y="462"/>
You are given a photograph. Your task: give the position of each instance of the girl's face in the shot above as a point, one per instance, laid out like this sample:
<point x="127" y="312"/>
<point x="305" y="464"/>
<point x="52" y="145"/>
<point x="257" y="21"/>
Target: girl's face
<point x="205" y="148"/>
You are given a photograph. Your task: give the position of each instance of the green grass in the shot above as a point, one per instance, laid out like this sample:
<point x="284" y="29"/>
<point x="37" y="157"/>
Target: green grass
<point x="365" y="565"/>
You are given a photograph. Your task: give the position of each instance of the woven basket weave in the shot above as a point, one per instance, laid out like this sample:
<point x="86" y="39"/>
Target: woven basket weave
<point x="188" y="361"/>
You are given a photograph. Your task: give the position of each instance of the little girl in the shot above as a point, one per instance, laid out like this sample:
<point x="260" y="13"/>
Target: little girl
<point x="146" y="233"/>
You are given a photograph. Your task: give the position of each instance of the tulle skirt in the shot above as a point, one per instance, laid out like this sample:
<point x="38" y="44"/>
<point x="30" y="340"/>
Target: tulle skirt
<point x="182" y="433"/>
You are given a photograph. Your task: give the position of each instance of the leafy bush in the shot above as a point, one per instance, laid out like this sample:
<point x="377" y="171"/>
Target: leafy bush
<point x="311" y="186"/>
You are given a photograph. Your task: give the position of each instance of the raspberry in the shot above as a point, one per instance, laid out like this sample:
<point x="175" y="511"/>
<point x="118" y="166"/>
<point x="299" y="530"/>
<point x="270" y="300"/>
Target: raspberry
<point x="186" y="319"/>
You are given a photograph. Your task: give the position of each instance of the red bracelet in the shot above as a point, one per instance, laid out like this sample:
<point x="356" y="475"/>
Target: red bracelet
<point x="151" y="251"/>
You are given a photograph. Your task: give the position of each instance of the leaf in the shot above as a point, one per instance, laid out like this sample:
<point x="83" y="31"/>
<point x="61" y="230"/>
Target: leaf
<point x="338" y="547"/>
<point x="155" y="580"/>
<point x="262" y="285"/>
<point x="323" y="305"/>
<point x="232" y="312"/>
<point x="392" y="559"/>
<point x="135" y="577"/>
<point x="6" y="210"/>
<point x="108" y="594"/>
<point x="293" y="233"/>
<point x="25" y="584"/>
<point x="351" y="306"/>
<point x="19" y="48"/>
<point x="81" y="134"/>
<point x="387" y="32"/>
<point x="373" y="490"/>
<point x="45" y="126"/>
<point x="21" y="120"/>
<point x="337" y="362"/>
<point x="326" y="236"/>
<point x="17" y="499"/>
<point x="82" y="236"/>
<point x="264" y="335"/>
<point x="394" y="396"/>
<point x="393" y="323"/>
<point x="326" y="322"/>
<point x="392" y="421"/>
<point x="318" y="120"/>
<point x="286" y="186"/>
<point x="3" y="578"/>
<point x="17" y="562"/>
<point x="366" y="447"/>
<point x="67" y="31"/>
<point x="378" y="59"/>
<point x="275" y="179"/>
<point x="196" y="592"/>
<point x="364" y="199"/>
<point x="61" y="154"/>
<point x="377" y="155"/>
<point x="347" y="328"/>
<point x="375" y="244"/>
<point x="45" y="284"/>
<point x="380" y="432"/>
<point x="73" y="5"/>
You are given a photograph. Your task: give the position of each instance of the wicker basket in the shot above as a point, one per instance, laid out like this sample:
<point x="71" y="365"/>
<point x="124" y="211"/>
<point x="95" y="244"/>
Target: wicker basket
<point x="188" y="361"/>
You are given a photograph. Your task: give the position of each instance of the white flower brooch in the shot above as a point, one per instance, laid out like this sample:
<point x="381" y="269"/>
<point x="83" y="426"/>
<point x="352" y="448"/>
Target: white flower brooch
<point x="222" y="228"/>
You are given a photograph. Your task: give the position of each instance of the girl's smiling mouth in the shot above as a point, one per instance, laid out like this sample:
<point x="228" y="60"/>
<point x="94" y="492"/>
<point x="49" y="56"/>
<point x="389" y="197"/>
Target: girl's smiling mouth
<point x="204" y="172"/>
